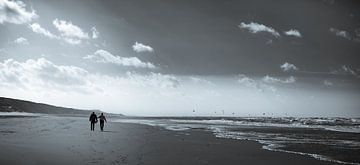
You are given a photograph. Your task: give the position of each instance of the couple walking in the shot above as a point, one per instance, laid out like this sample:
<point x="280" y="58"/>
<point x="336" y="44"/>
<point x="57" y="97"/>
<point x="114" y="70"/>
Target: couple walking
<point x="94" y="119"/>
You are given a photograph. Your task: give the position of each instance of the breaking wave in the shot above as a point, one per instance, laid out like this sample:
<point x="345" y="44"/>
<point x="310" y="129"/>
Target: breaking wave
<point x="329" y="139"/>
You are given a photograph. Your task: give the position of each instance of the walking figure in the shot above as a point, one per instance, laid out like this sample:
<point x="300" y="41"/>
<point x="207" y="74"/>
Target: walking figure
<point x="93" y="119"/>
<point x="102" y="119"/>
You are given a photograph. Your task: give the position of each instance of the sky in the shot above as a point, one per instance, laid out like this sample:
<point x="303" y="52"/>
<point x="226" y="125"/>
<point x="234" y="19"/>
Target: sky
<point x="184" y="58"/>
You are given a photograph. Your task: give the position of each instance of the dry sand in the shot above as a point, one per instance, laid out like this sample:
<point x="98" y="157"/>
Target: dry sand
<point x="68" y="140"/>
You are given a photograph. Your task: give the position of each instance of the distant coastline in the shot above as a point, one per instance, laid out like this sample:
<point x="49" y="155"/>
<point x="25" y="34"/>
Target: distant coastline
<point x="16" y="105"/>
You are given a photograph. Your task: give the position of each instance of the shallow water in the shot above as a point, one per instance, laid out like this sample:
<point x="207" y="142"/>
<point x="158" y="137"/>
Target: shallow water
<point x="329" y="139"/>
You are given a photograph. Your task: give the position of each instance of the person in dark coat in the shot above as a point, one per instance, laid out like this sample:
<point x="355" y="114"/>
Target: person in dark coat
<point x="102" y="119"/>
<point x="93" y="119"/>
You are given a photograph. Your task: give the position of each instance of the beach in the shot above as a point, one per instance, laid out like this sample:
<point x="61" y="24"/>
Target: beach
<point x="68" y="140"/>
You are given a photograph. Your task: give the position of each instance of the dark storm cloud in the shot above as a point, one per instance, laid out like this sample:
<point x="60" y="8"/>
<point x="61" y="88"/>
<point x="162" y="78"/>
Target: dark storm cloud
<point x="203" y="37"/>
<point x="286" y="55"/>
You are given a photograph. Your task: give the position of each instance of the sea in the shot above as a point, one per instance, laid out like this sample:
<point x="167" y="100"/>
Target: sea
<point x="328" y="139"/>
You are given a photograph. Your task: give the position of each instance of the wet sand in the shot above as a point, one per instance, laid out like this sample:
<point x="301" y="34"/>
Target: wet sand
<point x="68" y="140"/>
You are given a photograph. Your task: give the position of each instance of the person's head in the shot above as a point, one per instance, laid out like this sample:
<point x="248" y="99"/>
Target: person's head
<point x="102" y="114"/>
<point x="93" y="113"/>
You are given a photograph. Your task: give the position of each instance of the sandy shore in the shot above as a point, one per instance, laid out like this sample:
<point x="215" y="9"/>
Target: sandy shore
<point x="68" y="140"/>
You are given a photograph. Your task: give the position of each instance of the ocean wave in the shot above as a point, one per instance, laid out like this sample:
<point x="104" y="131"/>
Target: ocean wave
<point x="275" y="134"/>
<point x="20" y="114"/>
<point x="332" y="124"/>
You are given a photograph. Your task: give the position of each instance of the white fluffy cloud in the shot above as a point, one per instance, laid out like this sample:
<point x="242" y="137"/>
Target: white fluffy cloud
<point x="288" y="67"/>
<point x="247" y="81"/>
<point x="22" y="41"/>
<point x="328" y="83"/>
<point x="153" y="93"/>
<point x="255" y="84"/>
<point x="44" y="81"/>
<point x="70" y="33"/>
<point x="254" y="27"/>
<point x="155" y="80"/>
<point x="345" y="70"/>
<point x="95" y="33"/>
<point x="199" y="80"/>
<point x="269" y="79"/>
<point x="42" y="73"/>
<point x="103" y="56"/>
<point x="15" y="12"/>
<point x="357" y="32"/>
<point x="341" y="33"/>
<point x="139" y="47"/>
<point x="293" y="32"/>
<point x="265" y="84"/>
<point x="72" y="41"/>
<point x="69" y="30"/>
<point x="35" y="27"/>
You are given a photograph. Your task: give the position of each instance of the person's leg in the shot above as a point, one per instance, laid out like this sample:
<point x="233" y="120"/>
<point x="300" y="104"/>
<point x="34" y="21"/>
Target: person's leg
<point x="102" y="126"/>
<point x="92" y="126"/>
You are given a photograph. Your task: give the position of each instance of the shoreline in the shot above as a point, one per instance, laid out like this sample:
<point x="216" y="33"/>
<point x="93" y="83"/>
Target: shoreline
<point x="68" y="140"/>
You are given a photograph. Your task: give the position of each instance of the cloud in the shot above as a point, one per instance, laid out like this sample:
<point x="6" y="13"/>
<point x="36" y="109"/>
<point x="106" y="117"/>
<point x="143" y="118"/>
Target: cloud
<point x="21" y="41"/>
<point x="357" y="32"/>
<point x="198" y="80"/>
<point x="291" y="79"/>
<point x="269" y="79"/>
<point x="103" y="56"/>
<point x="293" y="32"/>
<point x="43" y="73"/>
<point x="67" y="29"/>
<point x="139" y="47"/>
<point x="340" y="33"/>
<point x="265" y="84"/>
<point x="254" y="27"/>
<point x="255" y="84"/>
<point x="15" y="12"/>
<point x="328" y="83"/>
<point x="288" y="67"/>
<point x="248" y="82"/>
<point x="95" y="33"/>
<point x="345" y="70"/>
<point x="155" y="80"/>
<point x="72" y="41"/>
<point x="35" y="27"/>
<point x="357" y="35"/>
<point x="69" y="32"/>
